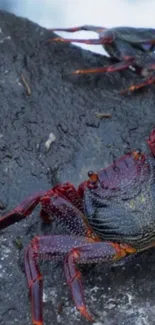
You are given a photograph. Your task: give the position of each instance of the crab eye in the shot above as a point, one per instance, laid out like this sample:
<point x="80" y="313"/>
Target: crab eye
<point x="93" y="177"/>
<point x="137" y="154"/>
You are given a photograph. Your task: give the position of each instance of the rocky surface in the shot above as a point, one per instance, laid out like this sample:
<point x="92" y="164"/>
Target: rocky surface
<point x="64" y="106"/>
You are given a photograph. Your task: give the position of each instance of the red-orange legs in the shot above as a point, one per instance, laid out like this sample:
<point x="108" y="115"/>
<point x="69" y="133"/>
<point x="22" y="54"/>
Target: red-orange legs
<point x="110" y="68"/>
<point x="94" y="41"/>
<point x="91" y="28"/>
<point x="97" y="29"/>
<point x="23" y="210"/>
<point x="151" y="142"/>
<point x="62" y="202"/>
<point x="105" y="36"/>
<point x="146" y="82"/>
<point x="74" y="250"/>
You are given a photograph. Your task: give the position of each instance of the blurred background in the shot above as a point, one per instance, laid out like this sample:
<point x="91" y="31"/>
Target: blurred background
<point x="67" y="13"/>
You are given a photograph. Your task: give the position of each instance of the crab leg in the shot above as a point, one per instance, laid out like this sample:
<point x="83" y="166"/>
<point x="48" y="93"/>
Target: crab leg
<point x="151" y="142"/>
<point x="22" y="210"/>
<point x="146" y="82"/>
<point x="110" y="68"/>
<point x="79" y="28"/>
<point x="105" y="36"/>
<point x="61" y="203"/>
<point x="145" y="72"/>
<point x="51" y="206"/>
<point x="75" y="29"/>
<point x="76" y="250"/>
<point x="95" y="41"/>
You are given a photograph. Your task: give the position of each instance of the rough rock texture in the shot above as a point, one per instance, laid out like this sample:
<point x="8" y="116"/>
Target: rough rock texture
<point x="65" y="106"/>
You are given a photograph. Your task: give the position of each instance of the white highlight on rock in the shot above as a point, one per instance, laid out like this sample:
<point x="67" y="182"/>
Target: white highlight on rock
<point x="5" y="38"/>
<point x="50" y="140"/>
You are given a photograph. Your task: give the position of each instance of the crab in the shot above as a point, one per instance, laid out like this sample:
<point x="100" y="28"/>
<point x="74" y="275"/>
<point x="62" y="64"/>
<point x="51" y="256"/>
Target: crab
<point x="110" y="216"/>
<point x="130" y="47"/>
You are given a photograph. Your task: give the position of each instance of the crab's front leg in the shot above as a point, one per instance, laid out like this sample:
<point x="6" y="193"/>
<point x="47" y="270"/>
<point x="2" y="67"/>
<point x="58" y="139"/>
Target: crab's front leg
<point x="24" y="209"/>
<point x="51" y="202"/>
<point x="75" y="250"/>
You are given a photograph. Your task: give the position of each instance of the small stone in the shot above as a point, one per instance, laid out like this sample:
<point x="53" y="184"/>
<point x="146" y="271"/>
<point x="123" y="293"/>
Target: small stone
<point x="50" y="140"/>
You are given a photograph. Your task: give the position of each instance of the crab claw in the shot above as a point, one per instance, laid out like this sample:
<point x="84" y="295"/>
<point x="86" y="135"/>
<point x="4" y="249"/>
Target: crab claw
<point x="151" y="142"/>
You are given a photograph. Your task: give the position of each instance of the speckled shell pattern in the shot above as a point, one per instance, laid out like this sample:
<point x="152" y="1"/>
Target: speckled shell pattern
<point x="120" y="207"/>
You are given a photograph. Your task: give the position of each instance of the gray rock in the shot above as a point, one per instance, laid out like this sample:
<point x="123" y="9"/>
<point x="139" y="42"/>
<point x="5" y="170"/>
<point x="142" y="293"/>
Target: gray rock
<point x="65" y="106"/>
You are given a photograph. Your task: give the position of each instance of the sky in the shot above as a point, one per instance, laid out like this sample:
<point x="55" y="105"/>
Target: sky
<point x="67" y="13"/>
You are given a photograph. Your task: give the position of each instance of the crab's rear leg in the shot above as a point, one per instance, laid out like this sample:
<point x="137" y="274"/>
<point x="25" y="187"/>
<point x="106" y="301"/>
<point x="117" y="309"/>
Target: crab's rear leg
<point x="75" y="250"/>
<point x="79" y="28"/>
<point x="97" y="29"/>
<point x="94" y="41"/>
<point x="105" y="36"/>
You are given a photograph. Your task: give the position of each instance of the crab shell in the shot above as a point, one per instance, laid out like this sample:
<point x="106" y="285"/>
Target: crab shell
<point x="119" y="201"/>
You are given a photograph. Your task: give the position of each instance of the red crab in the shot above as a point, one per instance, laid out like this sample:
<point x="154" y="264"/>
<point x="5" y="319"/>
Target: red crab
<point x="130" y="47"/>
<point x="110" y="216"/>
